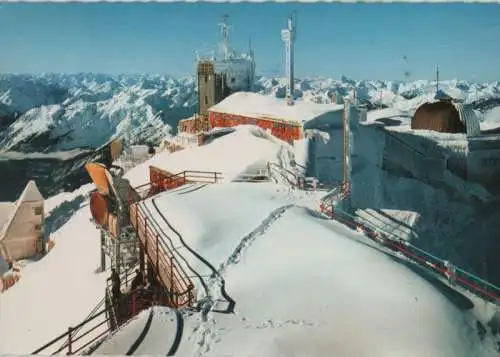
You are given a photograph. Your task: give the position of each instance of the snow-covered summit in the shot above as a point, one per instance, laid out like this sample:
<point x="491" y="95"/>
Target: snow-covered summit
<point x="302" y="285"/>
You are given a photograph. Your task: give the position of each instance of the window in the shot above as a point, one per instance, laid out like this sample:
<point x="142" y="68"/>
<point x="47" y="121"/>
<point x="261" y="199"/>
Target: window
<point x="38" y="227"/>
<point x="37" y="211"/>
<point x="233" y="80"/>
<point x="206" y="100"/>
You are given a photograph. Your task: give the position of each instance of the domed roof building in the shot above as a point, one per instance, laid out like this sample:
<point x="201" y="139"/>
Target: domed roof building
<point x="447" y="116"/>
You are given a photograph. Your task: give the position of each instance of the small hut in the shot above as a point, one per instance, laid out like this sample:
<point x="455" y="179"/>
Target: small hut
<point x="21" y="225"/>
<point x="446" y="116"/>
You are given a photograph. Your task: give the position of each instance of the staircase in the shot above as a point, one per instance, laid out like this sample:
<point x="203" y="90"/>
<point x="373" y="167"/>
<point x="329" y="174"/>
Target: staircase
<point x="296" y="178"/>
<point x="337" y="195"/>
<point x="166" y="267"/>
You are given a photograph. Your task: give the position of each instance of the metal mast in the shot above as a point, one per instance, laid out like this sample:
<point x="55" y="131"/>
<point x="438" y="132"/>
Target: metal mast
<point x="288" y="37"/>
<point x="437" y="78"/>
<point x="252" y="69"/>
<point x="347" y="150"/>
<point x="225" y="36"/>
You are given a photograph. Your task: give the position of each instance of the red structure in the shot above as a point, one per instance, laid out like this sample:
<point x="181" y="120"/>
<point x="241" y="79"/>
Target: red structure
<point x="285" y="121"/>
<point x="287" y="131"/>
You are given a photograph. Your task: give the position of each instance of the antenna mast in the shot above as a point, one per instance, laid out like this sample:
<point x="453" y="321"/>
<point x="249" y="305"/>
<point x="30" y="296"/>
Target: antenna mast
<point x="288" y="37"/>
<point x="437" y="78"/>
<point x="252" y="69"/>
<point x="225" y="35"/>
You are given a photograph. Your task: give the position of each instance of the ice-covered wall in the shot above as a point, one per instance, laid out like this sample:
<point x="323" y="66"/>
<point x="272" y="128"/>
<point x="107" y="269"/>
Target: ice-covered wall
<point x="483" y="161"/>
<point x="418" y="158"/>
<point x="452" y="222"/>
<point x="367" y="174"/>
<point x="239" y="73"/>
<point x="326" y="156"/>
<point x="450" y="160"/>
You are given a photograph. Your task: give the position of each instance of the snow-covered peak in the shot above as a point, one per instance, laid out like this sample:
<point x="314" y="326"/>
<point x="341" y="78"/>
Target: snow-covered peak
<point x="55" y="112"/>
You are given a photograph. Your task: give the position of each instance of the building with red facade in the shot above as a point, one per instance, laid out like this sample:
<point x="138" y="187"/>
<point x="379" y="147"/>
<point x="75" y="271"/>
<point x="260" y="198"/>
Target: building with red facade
<point x="286" y="122"/>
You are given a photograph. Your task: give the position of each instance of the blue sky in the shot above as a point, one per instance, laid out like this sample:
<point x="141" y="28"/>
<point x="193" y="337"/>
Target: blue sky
<point x="362" y="41"/>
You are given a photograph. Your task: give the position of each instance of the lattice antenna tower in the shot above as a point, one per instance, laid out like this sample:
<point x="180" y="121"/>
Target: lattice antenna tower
<point x="288" y="36"/>
<point x="224" y="25"/>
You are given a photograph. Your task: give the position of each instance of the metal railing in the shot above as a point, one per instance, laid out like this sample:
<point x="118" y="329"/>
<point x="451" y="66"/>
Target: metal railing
<point x="75" y="334"/>
<point x="170" y="273"/>
<point x="298" y="179"/>
<point x="74" y="338"/>
<point x="169" y="182"/>
<point x="452" y="273"/>
<point x="290" y="177"/>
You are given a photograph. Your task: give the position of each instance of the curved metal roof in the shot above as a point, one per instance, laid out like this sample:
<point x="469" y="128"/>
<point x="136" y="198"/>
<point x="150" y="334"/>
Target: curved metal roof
<point x="469" y="118"/>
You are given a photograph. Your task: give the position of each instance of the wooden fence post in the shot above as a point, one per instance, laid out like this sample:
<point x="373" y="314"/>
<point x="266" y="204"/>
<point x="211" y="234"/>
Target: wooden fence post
<point x="172" y="277"/>
<point x="70" y="342"/>
<point x="134" y="306"/>
<point x="136" y="217"/>
<point x="157" y="255"/>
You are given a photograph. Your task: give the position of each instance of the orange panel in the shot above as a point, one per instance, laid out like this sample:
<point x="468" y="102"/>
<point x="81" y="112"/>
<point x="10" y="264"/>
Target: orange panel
<point x="97" y="173"/>
<point x="116" y="148"/>
<point x="99" y="208"/>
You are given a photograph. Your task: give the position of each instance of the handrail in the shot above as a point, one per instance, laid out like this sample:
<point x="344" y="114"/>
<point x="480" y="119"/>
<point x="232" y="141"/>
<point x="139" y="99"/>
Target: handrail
<point x="176" y="180"/>
<point x="428" y="261"/>
<point x="283" y="175"/>
<point x="394" y="228"/>
<point x="168" y="269"/>
<point x="298" y="178"/>
<point x="72" y="335"/>
<point x="76" y="330"/>
<point x="68" y="333"/>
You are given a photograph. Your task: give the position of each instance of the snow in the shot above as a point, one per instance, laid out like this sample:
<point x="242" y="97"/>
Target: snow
<point x="210" y="230"/>
<point x="249" y="146"/>
<point x="491" y="119"/>
<point x="257" y="105"/>
<point x="71" y="109"/>
<point x="56" y="292"/>
<point x="312" y="298"/>
<point x="56" y="155"/>
<point x="53" y="202"/>
<point x="387" y="113"/>
<point x="446" y="208"/>
<point x="6" y="209"/>
<point x="158" y="341"/>
<point x="302" y="285"/>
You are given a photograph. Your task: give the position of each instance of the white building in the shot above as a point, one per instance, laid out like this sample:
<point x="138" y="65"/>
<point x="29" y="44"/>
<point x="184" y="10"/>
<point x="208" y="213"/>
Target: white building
<point x="21" y="225"/>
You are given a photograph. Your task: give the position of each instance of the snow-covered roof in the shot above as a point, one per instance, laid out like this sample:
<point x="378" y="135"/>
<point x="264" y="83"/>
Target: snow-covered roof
<point x="6" y="209"/>
<point x="469" y="118"/>
<point x="31" y="193"/>
<point x="257" y="105"/>
<point x="230" y="154"/>
<point x="385" y="113"/>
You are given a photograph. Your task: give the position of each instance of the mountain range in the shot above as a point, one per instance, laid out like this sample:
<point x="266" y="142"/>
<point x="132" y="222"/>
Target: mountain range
<point x="59" y="112"/>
